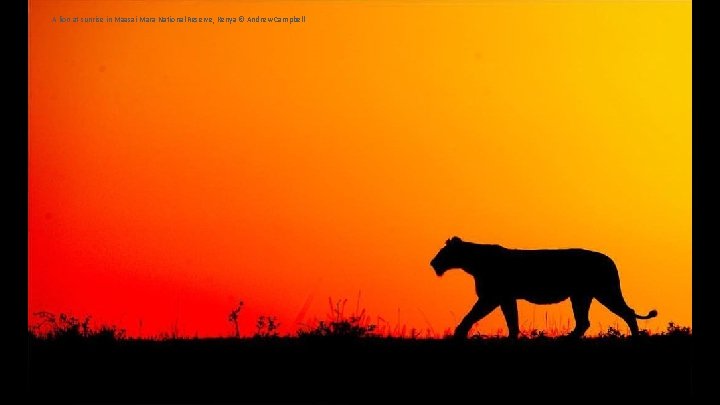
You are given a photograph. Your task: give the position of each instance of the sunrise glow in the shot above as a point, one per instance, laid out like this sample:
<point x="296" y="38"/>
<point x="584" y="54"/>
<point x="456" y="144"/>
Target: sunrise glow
<point x="175" y="169"/>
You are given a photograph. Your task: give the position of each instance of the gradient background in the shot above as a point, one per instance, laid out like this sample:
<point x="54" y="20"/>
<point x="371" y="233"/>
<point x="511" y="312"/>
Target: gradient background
<point x="176" y="169"/>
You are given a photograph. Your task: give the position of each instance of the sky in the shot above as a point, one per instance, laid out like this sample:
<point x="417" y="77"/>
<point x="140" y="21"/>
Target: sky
<point x="176" y="169"/>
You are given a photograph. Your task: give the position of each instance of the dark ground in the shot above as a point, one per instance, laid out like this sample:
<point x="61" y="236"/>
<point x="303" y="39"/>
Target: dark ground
<point x="369" y="370"/>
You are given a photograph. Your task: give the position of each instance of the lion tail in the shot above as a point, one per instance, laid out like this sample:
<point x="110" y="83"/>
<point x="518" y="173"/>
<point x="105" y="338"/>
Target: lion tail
<point x="651" y="314"/>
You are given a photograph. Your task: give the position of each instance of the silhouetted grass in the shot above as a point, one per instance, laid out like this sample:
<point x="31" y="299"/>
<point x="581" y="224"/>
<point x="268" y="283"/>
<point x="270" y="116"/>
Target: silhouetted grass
<point x="343" y="370"/>
<point x="67" y="327"/>
<point x="342" y="360"/>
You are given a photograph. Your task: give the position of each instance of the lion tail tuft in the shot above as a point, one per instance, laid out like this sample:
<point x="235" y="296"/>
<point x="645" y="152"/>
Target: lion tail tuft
<point x="651" y="314"/>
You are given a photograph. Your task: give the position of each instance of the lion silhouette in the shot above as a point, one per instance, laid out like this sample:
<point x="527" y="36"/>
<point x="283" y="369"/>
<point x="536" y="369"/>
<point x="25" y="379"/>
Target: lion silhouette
<point x="502" y="276"/>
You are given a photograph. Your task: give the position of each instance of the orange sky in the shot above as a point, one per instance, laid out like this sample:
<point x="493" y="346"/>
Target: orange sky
<point x="175" y="169"/>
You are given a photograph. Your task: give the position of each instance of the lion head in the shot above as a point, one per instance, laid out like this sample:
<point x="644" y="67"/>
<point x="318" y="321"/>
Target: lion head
<point x="449" y="257"/>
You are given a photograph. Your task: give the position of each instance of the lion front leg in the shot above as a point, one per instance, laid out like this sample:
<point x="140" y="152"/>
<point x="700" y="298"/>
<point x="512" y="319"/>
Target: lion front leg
<point x="478" y="311"/>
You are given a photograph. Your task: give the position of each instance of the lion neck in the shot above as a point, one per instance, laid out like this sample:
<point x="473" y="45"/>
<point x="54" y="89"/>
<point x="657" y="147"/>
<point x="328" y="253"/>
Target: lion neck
<point x="476" y="257"/>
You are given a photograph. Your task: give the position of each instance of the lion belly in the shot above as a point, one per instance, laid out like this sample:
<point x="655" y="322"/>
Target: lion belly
<point x="545" y="299"/>
<point x="545" y="292"/>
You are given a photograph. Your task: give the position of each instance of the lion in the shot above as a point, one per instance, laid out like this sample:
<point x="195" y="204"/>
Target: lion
<point x="502" y="276"/>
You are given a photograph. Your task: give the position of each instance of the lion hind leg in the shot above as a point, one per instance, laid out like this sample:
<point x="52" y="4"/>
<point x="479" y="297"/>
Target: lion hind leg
<point x="616" y="304"/>
<point x="581" y="309"/>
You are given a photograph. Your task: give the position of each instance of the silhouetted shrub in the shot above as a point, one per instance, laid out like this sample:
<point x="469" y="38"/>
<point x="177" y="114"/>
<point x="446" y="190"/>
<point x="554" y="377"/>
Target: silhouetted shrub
<point x="674" y="329"/>
<point x="611" y="333"/>
<point x="347" y="328"/>
<point x="234" y="318"/>
<point x="266" y="327"/>
<point x="66" y="327"/>
<point x="109" y="333"/>
<point x="338" y="325"/>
